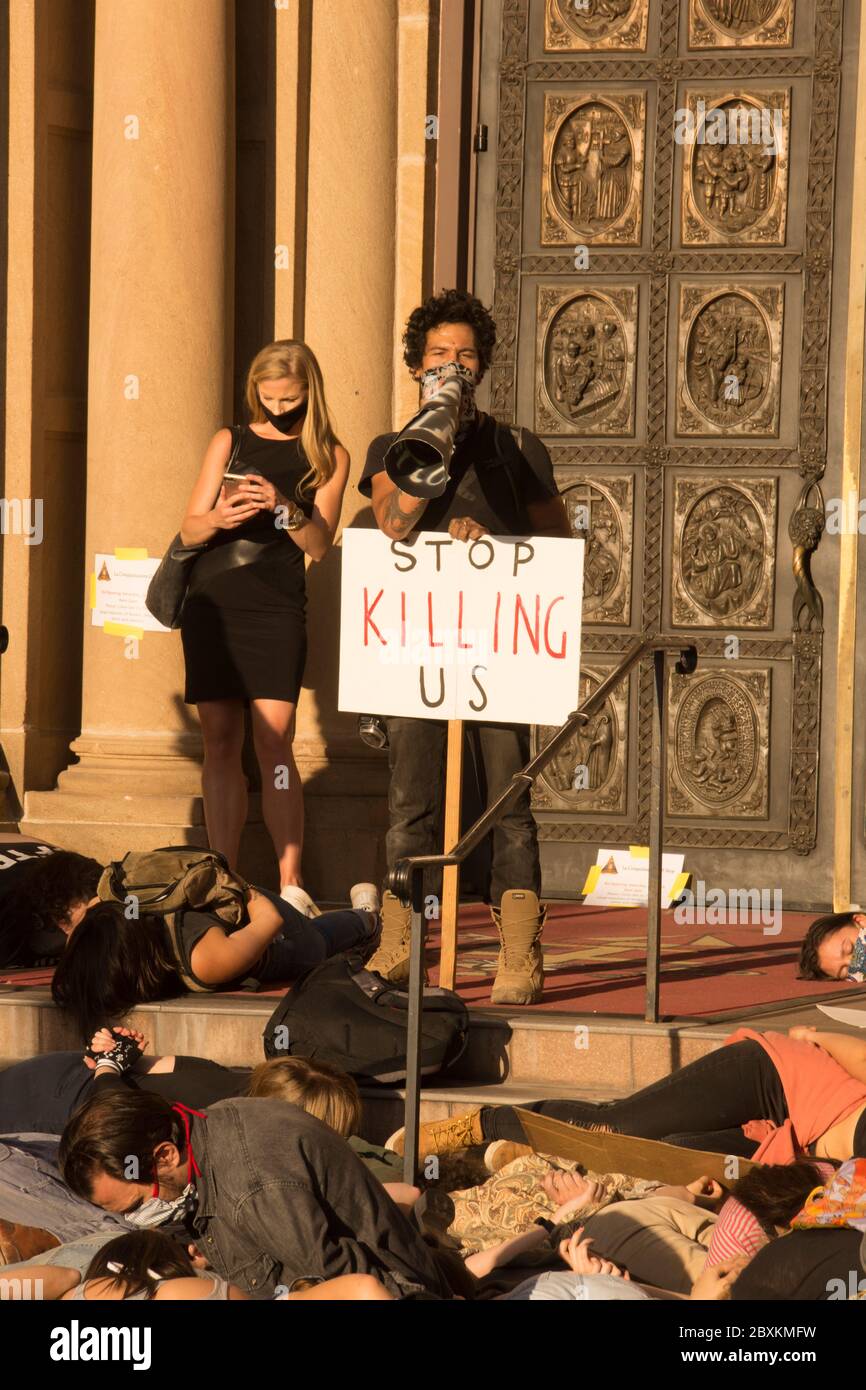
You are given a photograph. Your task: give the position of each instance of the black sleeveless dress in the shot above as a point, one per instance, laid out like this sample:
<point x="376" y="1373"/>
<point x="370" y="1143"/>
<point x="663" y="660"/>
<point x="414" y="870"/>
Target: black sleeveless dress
<point x="244" y="629"/>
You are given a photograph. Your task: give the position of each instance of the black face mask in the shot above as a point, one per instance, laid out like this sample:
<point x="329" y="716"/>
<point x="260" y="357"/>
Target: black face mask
<point x="287" y="422"/>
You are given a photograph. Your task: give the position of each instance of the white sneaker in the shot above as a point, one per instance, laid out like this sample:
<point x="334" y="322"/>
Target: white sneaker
<point x="299" y="898"/>
<point x="365" y="897"/>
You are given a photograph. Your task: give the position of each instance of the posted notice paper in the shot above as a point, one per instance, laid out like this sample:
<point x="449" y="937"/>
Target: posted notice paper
<point x="620" y="878"/>
<point x="118" y="585"/>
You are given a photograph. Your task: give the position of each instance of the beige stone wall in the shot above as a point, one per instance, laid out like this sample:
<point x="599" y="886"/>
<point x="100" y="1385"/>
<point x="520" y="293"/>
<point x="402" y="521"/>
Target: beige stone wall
<point x="347" y="203"/>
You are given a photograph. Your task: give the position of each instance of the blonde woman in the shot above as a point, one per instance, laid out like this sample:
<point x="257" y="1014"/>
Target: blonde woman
<point x="243" y="624"/>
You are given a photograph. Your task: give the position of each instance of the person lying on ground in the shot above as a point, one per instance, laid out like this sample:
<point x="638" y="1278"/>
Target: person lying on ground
<point x="42" y="889"/>
<point x="533" y="1188"/>
<point x="148" y="1265"/>
<point x="761" y="1206"/>
<point x="762" y="1096"/>
<point x="834" y="948"/>
<point x="112" y="963"/>
<point x="270" y="1193"/>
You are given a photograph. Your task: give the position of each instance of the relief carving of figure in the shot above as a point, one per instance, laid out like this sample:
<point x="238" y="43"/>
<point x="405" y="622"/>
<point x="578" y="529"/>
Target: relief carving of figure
<point x="740" y="14"/>
<point x="722" y="552"/>
<point x="734" y="182"/>
<point x="588" y="362"/>
<point x="728" y="360"/>
<point x="593" y="166"/>
<point x="602" y="560"/>
<point x="714" y="764"/>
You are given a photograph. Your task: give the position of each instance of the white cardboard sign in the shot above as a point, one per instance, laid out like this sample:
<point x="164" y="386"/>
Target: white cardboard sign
<point x="435" y="628"/>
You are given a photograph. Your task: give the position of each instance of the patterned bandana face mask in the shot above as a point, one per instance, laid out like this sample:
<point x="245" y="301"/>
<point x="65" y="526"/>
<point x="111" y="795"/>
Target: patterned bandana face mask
<point x="156" y="1210"/>
<point x="857" y="965"/>
<point x="468" y="381"/>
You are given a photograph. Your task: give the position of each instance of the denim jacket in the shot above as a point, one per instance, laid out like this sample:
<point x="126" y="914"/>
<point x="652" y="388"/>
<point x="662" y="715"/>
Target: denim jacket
<point x="281" y="1197"/>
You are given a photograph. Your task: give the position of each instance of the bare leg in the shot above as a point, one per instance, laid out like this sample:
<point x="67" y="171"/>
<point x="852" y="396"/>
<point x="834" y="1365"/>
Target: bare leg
<point x="282" y="798"/>
<point x="223" y="784"/>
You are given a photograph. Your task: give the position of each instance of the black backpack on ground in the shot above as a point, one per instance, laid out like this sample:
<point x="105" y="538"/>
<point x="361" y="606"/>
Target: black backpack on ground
<point x="350" y="1017"/>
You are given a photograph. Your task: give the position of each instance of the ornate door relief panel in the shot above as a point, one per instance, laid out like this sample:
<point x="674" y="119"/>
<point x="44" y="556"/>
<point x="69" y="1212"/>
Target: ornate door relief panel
<point x="663" y="307"/>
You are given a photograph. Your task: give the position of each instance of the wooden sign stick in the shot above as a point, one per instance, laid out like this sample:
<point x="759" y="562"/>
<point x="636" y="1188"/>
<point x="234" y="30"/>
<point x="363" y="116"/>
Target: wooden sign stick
<point x="451" y="876"/>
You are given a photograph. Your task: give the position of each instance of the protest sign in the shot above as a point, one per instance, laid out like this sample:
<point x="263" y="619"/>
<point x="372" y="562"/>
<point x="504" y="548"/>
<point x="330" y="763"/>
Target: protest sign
<point x="436" y="628"/>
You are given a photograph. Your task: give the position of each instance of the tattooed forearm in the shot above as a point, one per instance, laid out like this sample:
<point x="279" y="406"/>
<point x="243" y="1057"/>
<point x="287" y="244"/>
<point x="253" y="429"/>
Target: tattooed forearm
<point x="398" y="522"/>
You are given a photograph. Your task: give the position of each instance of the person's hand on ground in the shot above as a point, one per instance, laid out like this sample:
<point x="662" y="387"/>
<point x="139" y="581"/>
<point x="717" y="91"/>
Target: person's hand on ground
<point x="804" y="1033"/>
<point x="571" y="1192"/>
<point x="577" y="1255"/>
<point x="716" y="1283"/>
<point x="463" y="528"/>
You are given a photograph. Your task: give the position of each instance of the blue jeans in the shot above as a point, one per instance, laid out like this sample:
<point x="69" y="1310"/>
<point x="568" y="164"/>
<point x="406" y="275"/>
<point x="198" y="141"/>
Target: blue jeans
<point x="74" y="1254"/>
<point x="556" y="1285"/>
<point x="32" y="1192"/>
<point x="305" y="942"/>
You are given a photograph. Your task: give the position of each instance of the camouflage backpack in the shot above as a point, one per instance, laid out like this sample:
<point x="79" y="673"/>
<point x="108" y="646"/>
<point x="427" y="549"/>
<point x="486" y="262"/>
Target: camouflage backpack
<point x="171" y="881"/>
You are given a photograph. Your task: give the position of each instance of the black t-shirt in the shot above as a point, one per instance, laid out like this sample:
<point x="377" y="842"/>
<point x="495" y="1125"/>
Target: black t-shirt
<point x="803" y="1266"/>
<point x="39" y="1095"/>
<point x="493" y="488"/>
<point x="22" y="945"/>
<point x="15" y="852"/>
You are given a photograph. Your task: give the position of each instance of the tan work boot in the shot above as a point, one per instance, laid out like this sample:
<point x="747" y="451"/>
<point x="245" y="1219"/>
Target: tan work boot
<point x="520" y="973"/>
<point x="443" y="1136"/>
<point x="391" y="957"/>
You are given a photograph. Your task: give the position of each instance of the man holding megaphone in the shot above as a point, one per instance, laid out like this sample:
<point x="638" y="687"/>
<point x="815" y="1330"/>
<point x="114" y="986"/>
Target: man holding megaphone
<point x="455" y="469"/>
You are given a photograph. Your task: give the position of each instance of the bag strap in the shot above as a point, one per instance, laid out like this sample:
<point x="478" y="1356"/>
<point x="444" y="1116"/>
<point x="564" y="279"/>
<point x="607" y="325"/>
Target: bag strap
<point x="237" y="432"/>
<point x="508" y="442"/>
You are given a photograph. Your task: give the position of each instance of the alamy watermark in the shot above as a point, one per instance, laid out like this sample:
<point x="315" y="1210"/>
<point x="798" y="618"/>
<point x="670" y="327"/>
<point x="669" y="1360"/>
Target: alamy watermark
<point x="739" y="125"/>
<point x="717" y="907"/>
<point x="22" y="516"/>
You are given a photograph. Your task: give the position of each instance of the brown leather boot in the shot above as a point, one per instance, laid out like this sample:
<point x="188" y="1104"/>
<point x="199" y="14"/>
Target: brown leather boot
<point x="443" y="1136"/>
<point x="23" y="1242"/>
<point x="520" y="973"/>
<point x="391" y="957"/>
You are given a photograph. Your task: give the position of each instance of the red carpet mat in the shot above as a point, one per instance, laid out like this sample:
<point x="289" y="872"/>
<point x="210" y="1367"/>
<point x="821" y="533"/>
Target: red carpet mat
<point x="595" y="958"/>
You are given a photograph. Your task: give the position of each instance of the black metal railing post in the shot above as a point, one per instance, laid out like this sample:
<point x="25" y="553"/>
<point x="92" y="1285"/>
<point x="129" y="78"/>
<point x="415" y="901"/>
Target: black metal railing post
<point x="407" y="876"/>
<point x="413" y="1023"/>
<point x="656" y="839"/>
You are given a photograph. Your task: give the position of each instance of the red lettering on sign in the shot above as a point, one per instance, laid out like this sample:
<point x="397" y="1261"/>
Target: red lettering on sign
<point x="430" y="620"/>
<point x="368" y="617"/>
<point x="496" y="623"/>
<point x="558" y="656"/>
<point x="464" y="645"/>
<point x="520" y="611"/>
<point x="402" y="619"/>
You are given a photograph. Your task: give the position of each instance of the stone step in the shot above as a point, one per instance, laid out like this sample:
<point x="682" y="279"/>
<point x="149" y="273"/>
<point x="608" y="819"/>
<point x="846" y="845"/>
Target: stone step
<point x="520" y="1049"/>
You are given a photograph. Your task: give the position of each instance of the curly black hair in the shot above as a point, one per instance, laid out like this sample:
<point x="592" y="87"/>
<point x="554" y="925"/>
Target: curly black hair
<point x="44" y="891"/>
<point x="817" y="934"/>
<point x="449" y="306"/>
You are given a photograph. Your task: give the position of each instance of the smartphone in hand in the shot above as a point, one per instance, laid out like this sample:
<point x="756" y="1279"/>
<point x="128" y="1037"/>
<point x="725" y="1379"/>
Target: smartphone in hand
<point x="231" y="483"/>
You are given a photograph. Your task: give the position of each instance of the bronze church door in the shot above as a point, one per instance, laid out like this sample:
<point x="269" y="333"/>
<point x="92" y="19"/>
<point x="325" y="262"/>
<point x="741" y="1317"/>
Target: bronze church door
<point x="656" y="213"/>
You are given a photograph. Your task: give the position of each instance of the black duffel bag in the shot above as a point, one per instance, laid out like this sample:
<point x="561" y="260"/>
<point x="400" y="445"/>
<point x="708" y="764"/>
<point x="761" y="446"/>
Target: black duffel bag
<point x="350" y="1017"/>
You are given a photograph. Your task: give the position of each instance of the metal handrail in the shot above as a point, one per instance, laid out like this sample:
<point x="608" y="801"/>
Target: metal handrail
<point x="406" y="878"/>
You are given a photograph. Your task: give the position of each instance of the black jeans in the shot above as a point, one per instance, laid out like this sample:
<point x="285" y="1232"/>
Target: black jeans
<point x="417" y="761"/>
<point x="700" y="1106"/>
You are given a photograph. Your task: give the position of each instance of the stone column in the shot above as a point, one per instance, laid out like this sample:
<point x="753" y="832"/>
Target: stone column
<point x="159" y="385"/>
<point x="365" y="201"/>
<point x="50" y="102"/>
